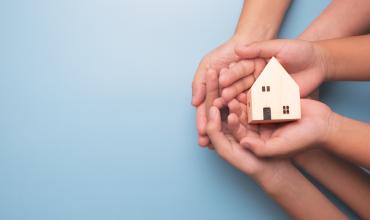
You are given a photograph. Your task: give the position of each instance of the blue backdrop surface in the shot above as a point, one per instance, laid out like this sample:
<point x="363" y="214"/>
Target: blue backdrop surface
<point x="95" y="115"/>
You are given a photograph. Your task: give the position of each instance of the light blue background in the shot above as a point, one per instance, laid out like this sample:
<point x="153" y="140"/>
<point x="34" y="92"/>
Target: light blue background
<point x="95" y="115"/>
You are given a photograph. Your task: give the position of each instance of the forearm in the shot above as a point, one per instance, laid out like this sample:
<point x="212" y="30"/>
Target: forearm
<point x="346" y="58"/>
<point x="253" y="23"/>
<point x="350" y="183"/>
<point x="347" y="181"/>
<point x="342" y="18"/>
<point x="293" y="192"/>
<point x="349" y="139"/>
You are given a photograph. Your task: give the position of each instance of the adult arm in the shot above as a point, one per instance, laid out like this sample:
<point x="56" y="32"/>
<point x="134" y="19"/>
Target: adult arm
<point x="342" y="18"/>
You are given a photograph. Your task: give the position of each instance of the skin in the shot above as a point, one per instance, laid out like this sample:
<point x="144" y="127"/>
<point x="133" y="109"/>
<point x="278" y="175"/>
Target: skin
<point x="319" y="126"/>
<point x="287" y="139"/>
<point x="346" y="58"/>
<point x="251" y="27"/>
<point x="342" y="18"/>
<point x="298" y="196"/>
<point x="344" y="179"/>
<point x="317" y="60"/>
<point x="354" y="183"/>
<point x="346" y="132"/>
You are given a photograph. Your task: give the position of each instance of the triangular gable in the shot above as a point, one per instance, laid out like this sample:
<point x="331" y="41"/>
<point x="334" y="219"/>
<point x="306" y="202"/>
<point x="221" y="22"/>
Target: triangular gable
<point x="274" y="67"/>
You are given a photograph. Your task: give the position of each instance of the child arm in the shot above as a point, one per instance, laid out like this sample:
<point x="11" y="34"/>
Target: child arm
<point x="346" y="58"/>
<point x="349" y="139"/>
<point x="350" y="183"/>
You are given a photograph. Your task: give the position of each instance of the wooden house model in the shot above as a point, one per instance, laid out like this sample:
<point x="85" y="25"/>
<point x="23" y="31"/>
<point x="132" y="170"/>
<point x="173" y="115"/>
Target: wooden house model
<point x="274" y="96"/>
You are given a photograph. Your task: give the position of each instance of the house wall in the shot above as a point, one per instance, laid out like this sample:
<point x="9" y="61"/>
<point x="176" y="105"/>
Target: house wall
<point x="282" y="91"/>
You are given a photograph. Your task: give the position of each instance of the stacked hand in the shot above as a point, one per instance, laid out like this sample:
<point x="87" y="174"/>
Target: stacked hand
<point x="210" y="66"/>
<point x="305" y="62"/>
<point x="226" y="137"/>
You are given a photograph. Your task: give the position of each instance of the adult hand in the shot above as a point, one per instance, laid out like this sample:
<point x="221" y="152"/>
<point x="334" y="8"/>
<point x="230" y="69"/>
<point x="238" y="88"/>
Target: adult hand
<point x="302" y="59"/>
<point x="214" y="61"/>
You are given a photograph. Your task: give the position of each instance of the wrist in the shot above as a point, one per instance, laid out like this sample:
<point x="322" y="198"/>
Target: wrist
<point x="251" y="33"/>
<point x="323" y="60"/>
<point x="273" y="177"/>
<point x="327" y="61"/>
<point x="334" y="121"/>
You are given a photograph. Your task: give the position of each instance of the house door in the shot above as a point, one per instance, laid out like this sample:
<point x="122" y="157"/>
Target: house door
<point x="267" y="113"/>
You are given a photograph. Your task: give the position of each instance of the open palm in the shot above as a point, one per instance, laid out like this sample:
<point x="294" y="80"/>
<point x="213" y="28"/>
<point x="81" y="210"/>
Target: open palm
<point x="226" y="136"/>
<point x="287" y="138"/>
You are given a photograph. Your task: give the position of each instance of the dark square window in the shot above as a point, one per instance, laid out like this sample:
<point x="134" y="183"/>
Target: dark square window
<point x="287" y="111"/>
<point x="268" y="88"/>
<point x="263" y="88"/>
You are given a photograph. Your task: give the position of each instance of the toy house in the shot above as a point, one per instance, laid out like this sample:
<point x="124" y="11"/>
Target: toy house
<point x="274" y="96"/>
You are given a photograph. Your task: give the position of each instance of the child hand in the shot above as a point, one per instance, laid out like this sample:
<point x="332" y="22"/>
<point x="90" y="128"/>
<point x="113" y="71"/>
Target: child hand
<point x="282" y="139"/>
<point x="238" y="78"/>
<point x="303" y="60"/>
<point x="217" y="59"/>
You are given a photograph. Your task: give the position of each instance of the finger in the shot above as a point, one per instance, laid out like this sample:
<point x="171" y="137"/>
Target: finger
<point x="238" y="71"/>
<point x="212" y="88"/>
<point x="219" y="102"/>
<point x="259" y="66"/>
<point x="235" y="89"/>
<point x="199" y="85"/>
<point x="243" y="98"/>
<point x="274" y="146"/>
<point x="201" y="119"/>
<point x="203" y="141"/>
<point x="223" y="72"/>
<point x="237" y="130"/>
<point x="243" y="117"/>
<point x="234" y="107"/>
<point x="214" y="131"/>
<point x="263" y="49"/>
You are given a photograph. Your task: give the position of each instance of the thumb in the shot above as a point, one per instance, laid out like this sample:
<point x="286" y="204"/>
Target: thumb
<point x="262" y="49"/>
<point x="272" y="147"/>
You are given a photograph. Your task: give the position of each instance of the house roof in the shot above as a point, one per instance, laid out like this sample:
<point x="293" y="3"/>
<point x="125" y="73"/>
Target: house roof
<point x="274" y="67"/>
